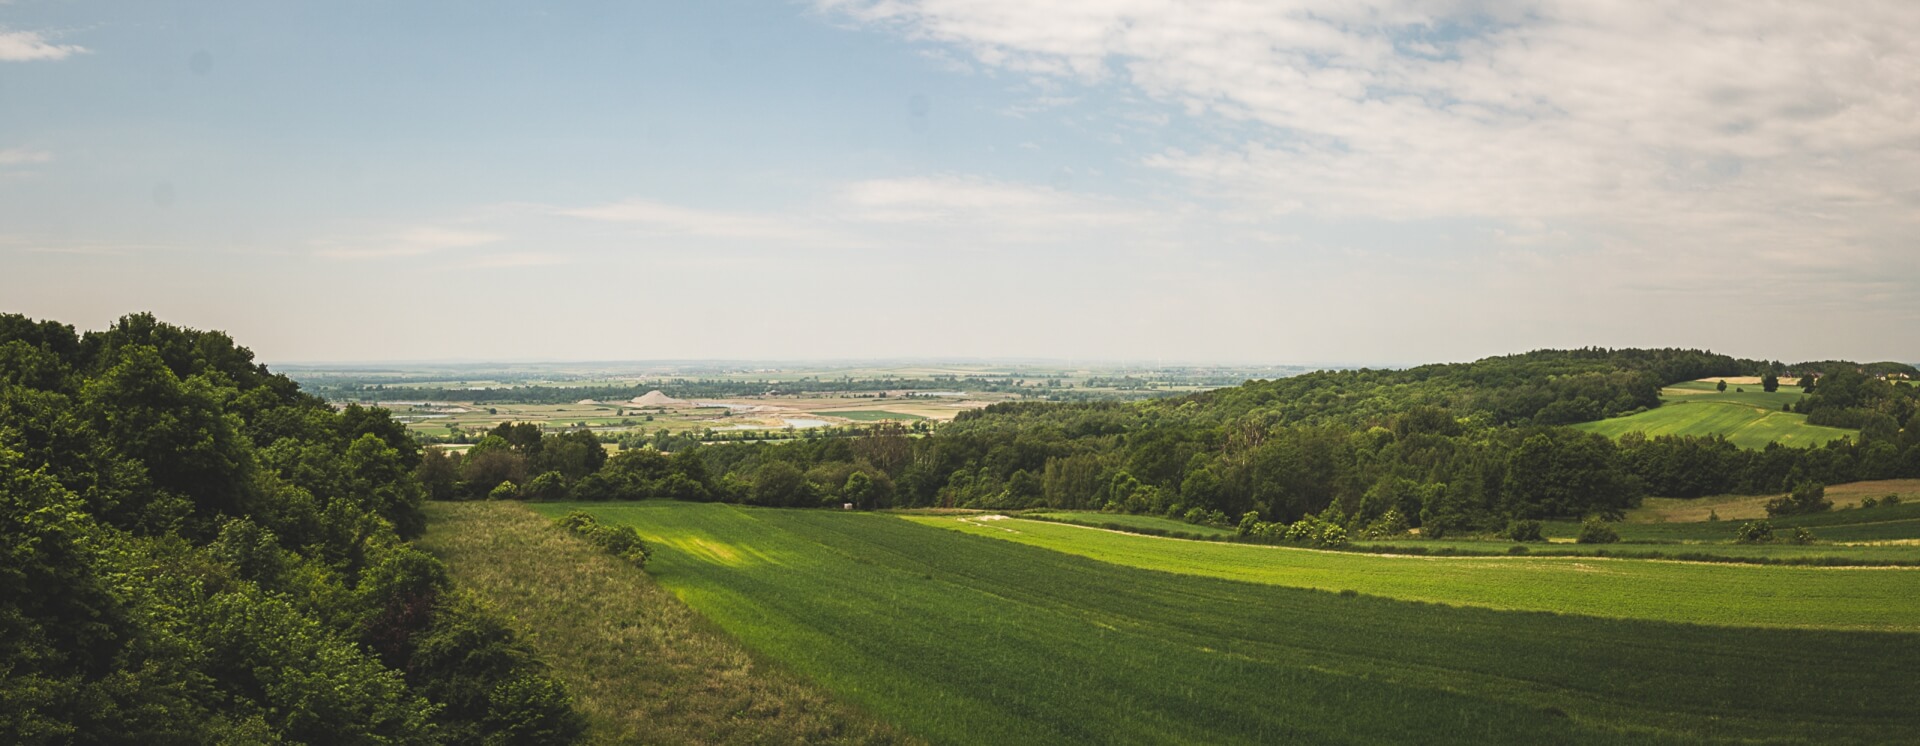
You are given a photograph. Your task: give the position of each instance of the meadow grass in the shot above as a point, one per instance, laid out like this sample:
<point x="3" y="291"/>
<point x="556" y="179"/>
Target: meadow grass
<point x="1746" y="424"/>
<point x="870" y="415"/>
<point x="642" y="666"/>
<point x="1149" y="522"/>
<point x="1703" y="593"/>
<point x="968" y="639"/>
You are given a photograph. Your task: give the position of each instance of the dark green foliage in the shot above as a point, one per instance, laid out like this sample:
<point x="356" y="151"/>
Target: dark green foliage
<point x="1523" y="530"/>
<point x="619" y="541"/>
<point x="1800" y="535"/>
<point x="1596" y="531"/>
<point x="1755" y="532"/>
<point x="1806" y="497"/>
<point x="193" y="551"/>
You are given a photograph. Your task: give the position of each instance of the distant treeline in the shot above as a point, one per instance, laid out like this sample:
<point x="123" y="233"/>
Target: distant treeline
<point x="192" y="550"/>
<point x="678" y="388"/>
<point x="1446" y="448"/>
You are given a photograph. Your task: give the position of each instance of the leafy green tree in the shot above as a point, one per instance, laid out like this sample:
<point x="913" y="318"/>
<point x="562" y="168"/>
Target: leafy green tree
<point x="1596" y="531"/>
<point x="1769" y="383"/>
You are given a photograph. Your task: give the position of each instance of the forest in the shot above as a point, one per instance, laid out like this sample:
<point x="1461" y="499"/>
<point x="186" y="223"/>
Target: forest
<point x="197" y="552"/>
<point x="1444" y="448"/>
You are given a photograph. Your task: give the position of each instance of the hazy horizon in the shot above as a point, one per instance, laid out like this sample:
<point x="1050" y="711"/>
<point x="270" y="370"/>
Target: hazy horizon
<point x="1385" y="183"/>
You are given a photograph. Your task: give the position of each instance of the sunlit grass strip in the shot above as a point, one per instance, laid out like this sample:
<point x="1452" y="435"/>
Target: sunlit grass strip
<point x="1747" y="595"/>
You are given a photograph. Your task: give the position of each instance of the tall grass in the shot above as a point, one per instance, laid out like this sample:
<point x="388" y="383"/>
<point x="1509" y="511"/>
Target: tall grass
<point x="642" y="666"/>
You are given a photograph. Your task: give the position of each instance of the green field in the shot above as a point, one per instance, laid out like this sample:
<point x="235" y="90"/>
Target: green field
<point x="1867" y="598"/>
<point x="1747" y="426"/>
<point x="871" y="415"/>
<point x="965" y="639"/>
<point x="1148" y="522"/>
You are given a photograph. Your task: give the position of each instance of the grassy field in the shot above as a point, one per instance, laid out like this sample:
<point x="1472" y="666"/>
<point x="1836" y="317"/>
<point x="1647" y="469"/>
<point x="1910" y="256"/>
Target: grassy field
<point x="1862" y="598"/>
<point x="1751" y="419"/>
<point x="871" y="415"/>
<point x="1880" y="523"/>
<point x="642" y="666"/>
<point x="966" y="639"/>
<point x="1152" y="523"/>
<point x="1732" y="507"/>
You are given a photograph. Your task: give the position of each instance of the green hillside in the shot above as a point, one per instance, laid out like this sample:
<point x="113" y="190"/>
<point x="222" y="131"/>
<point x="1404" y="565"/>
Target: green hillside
<point x="1750" y="419"/>
<point x="969" y="639"/>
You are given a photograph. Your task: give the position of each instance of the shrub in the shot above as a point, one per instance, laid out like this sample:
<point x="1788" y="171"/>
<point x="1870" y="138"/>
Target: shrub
<point x="1713" y="515"/>
<point x="1869" y="502"/>
<point x="1332" y="535"/>
<point x="1391" y="523"/>
<point x="1523" y="530"/>
<point x="1518" y="549"/>
<point x="1891" y="500"/>
<point x="1596" y="531"/>
<point x="1755" y="532"/>
<point x="1801" y="536"/>
<point x="505" y="490"/>
<point x="1807" y="497"/>
<point x="1249" y="524"/>
<point x="619" y="541"/>
<point x="1303" y="530"/>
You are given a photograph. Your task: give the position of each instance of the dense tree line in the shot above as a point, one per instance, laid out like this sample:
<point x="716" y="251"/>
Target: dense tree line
<point x="1446" y="448"/>
<point x="195" y="551"/>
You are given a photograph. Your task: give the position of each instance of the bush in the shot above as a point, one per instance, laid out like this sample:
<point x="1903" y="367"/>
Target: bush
<point x="1389" y="524"/>
<point x="1891" y="500"/>
<point x="1332" y="535"/>
<point x="1869" y="502"/>
<point x="505" y="490"/>
<point x="1801" y="536"/>
<point x="1713" y="515"/>
<point x="1518" y="549"/>
<point x="1596" y="531"/>
<point x="1807" y="497"/>
<point x="619" y="541"/>
<point x="1523" y="530"/>
<point x="1303" y="530"/>
<point x="1755" y="532"/>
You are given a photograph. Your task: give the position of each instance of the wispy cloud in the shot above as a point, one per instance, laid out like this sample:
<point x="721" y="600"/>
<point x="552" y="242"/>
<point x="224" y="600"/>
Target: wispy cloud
<point x="29" y="46"/>
<point x="23" y="157"/>
<point x="1759" y="140"/>
<point x="405" y="243"/>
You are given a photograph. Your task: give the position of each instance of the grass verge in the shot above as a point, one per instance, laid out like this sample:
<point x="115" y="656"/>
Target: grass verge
<point x="642" y="666"/>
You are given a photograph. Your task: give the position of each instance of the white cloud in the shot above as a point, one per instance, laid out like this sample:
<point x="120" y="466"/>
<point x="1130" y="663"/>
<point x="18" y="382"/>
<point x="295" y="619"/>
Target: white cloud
<point x="911" y="212"/>
<point x="23" y="157"/>
<point x="28" y="46"/>
<point x="410" y="242"/>
<point x="1760" y="139"/>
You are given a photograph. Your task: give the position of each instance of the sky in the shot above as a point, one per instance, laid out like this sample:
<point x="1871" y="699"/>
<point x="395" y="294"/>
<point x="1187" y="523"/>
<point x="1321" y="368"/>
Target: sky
<point x="1376" y="182"/>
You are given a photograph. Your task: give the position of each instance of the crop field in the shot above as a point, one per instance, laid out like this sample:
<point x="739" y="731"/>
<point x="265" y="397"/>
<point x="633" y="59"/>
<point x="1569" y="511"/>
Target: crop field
<point x="1152" y="523"/>
<point x="1867" y="598"/>
<point x="1878" y="523"/>
<point x="1748" y="426"/>
<point x="963" y="638"/>
<point x="1728" y="507"/>
<point x="871" y="415"/>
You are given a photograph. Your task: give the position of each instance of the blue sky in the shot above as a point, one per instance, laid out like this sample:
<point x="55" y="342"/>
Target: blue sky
<point x="1375" y="182"/>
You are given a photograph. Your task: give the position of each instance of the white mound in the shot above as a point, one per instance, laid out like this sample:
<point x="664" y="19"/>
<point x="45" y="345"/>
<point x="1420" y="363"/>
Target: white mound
<point x="656" y="399"/>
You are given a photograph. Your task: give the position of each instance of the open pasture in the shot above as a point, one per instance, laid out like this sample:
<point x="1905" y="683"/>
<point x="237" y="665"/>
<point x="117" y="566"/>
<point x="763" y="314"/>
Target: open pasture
<point x="1148" y="522"/>
<point x="1701" y="593"/>
<point x="960" y="638"/>
<point x="1731" y="507"/>
<point x="1746" y="425"/>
